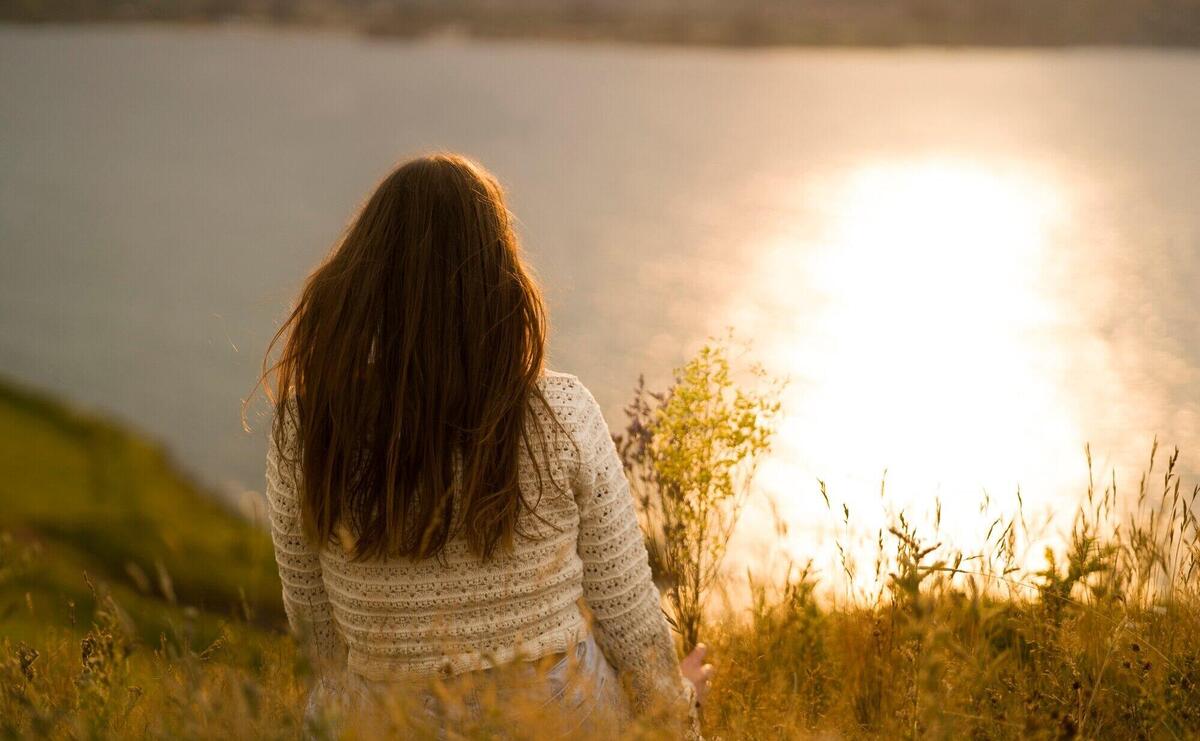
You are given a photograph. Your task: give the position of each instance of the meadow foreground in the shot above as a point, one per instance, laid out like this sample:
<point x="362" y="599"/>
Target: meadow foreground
<point x="131" y="606"/>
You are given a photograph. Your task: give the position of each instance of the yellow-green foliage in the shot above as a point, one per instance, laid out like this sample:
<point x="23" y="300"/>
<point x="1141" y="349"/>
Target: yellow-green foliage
<point x="1101" y="641"/>
<point x="691" y="453"/>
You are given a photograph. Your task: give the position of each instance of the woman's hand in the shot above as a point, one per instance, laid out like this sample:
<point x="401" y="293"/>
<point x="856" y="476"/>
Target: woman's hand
<point x="694" y="669"/>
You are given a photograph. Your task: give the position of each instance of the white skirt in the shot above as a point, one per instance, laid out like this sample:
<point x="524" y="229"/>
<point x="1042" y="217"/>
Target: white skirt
<point x="577" y="696"/>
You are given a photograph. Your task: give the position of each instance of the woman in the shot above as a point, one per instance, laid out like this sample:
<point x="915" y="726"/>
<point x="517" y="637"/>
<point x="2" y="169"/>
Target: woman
<point x="451" y="521"/>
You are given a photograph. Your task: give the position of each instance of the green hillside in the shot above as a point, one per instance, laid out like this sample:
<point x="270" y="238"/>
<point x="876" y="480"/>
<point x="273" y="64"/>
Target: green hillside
<point x="82" y="495"/>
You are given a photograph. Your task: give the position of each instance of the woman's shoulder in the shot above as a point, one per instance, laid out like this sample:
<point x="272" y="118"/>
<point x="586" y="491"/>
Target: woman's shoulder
<point x="553" y="378"/>
<point x="550" y="373"/>
<point x="565" y="393"/>
<point x="561" y="384"/>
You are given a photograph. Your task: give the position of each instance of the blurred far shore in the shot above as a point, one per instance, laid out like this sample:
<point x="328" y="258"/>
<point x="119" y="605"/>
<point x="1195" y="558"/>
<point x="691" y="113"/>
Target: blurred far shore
<point x="995" y="23"/>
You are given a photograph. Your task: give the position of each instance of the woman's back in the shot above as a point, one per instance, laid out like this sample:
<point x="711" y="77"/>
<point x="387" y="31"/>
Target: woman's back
<point x="440" y="503"/>
<point x="392" y="619"/>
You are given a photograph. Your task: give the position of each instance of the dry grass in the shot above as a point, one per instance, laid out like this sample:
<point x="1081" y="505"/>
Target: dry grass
<point x="1102" y="642"/>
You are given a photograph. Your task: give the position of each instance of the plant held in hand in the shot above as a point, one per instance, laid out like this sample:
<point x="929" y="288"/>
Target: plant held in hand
<point x="691" y="453"/>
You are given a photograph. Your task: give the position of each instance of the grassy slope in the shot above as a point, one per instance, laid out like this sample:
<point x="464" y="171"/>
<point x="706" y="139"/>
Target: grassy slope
<point x="83" y="495"/>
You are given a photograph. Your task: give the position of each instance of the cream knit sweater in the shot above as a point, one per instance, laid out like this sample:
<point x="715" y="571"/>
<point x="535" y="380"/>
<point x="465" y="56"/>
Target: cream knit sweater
<point x="397" y="618"/>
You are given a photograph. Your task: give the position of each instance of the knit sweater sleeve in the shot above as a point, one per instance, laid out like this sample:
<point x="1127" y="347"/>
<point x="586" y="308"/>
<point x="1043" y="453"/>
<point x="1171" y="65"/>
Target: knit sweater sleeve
<point x="304" y="597"/>
<point x="629" y="623"/>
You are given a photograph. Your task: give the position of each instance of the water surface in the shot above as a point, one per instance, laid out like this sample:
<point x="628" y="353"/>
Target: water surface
<point x="969" y="263"/>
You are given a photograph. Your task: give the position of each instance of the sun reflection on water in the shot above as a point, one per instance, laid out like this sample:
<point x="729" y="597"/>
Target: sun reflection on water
<point x="920" y="325"/>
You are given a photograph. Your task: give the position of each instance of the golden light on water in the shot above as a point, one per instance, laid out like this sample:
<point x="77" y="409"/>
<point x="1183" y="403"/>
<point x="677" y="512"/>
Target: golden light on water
<point x="921" y="328"/>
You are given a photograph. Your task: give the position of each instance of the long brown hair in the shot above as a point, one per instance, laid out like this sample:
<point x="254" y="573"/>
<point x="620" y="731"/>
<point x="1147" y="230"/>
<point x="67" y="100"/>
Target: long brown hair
<point x="410" y="362"/>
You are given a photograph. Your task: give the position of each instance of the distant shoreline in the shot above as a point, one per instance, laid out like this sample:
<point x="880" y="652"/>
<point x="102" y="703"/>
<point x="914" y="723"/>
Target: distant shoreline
<point x="251" y="28"/>
<point x="875" y="24"/>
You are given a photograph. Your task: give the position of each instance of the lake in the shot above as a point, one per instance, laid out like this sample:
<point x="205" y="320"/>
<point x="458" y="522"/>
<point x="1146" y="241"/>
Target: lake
<point x="968" y="263"/>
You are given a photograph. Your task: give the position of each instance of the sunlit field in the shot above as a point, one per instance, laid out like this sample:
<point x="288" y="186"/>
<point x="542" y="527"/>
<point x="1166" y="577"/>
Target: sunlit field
<point x="170" y="635"/>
